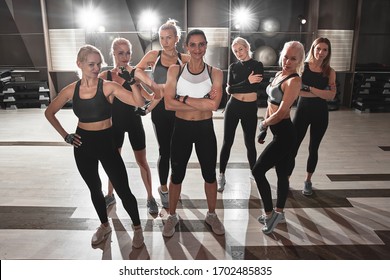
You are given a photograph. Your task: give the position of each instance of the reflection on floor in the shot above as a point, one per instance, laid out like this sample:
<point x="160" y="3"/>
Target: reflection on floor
<point x="46" y="211"/>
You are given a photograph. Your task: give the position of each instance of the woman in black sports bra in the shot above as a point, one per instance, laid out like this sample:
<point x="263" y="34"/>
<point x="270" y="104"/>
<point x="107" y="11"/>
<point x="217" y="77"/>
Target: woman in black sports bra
<point x="160" y="60"/>
<point x="93" y="142"/>
<point x="125" y="119"/>
<point x="319" y="85"/>
<point x="282" y="92"/>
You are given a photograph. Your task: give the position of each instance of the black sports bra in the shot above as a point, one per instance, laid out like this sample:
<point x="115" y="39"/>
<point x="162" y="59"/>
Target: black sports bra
<point x="92" y="109"/>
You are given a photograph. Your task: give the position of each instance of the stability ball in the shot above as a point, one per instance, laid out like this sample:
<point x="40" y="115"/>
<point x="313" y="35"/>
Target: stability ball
<point x="266" y="55"/>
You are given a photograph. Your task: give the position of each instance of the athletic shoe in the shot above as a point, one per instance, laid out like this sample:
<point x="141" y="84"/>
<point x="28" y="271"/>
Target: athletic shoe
<point x="164" y="196"/>
<point x="215" y="224"/>
<point x="307" y="189"/>
<point x="138" y="238"/>
<point x="101" y="234"/>
<point x="110" y="200"/>
<point x="169" y="226"/>
<point x="269" y="225"/>
<point x="263" y="218"/>
<point x="221" y="182"/>
<point x="152" y="206"/>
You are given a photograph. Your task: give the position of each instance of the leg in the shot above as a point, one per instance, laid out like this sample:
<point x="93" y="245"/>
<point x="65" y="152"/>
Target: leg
<point x="230" y="124"/>
<point x="249" y="126"/>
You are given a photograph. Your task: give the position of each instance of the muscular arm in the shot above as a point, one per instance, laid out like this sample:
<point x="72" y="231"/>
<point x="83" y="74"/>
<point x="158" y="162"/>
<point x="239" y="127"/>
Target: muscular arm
<point x="132" y="98"/>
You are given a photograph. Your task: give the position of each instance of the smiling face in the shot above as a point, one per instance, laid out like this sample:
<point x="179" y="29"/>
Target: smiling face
<point x="291" y="59"/>
<point x="197" y="46"/>
<point x="91" y="66"/>
<point x="321" y="51"/>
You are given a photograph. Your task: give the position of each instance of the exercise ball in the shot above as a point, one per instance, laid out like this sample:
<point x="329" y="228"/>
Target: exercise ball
<point x="270" y="26"/>
<point x="266" y="55"/>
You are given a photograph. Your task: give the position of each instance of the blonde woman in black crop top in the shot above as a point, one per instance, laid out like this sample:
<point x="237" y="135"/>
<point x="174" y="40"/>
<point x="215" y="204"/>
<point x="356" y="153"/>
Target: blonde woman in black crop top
<point x="244" y="77"/>
<point x="93" y="141"/>
<point x="277" y="117"/>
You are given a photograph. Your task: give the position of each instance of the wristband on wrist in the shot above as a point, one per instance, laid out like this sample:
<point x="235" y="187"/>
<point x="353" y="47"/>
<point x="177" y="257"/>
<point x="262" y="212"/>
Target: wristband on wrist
<point x="306" y="88"/>
<point x="185" y="99"/>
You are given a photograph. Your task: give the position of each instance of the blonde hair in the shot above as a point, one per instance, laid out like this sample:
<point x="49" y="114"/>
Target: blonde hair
<point x="115" y="43"/>
<point x="243" y="42"/>
<point x="301" y="54"/>
<point x="170" y="24"/>
<point x="83" y="53"/>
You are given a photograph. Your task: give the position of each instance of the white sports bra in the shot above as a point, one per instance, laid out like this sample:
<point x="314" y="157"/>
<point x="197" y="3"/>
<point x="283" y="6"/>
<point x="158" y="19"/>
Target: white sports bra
<point x="194" y="85"/>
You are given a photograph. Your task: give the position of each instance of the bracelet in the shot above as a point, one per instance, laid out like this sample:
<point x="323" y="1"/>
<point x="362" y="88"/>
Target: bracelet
<point x="184" y="99"/>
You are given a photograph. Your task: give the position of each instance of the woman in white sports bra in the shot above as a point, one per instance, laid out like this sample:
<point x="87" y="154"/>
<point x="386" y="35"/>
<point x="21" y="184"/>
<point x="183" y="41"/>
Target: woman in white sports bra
<point x="193" y="91"/>
<point x="282" y="92"/>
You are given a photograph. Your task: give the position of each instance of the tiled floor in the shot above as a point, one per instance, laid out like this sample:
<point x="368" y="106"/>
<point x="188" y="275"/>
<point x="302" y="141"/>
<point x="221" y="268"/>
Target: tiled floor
<point x="46" y="211"/>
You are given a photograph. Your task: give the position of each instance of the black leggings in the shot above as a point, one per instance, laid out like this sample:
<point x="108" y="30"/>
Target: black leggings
<point x="163" y="121"/>
<point x="237" y="110"/>
<point x="186" y="133"/>
<point x="98" y="146"/>
<point x="274" y="155"/>
<point x="311" y="112"/>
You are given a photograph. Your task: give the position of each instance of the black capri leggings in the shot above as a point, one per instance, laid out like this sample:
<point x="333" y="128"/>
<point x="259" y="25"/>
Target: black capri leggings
<point x="274" y="155"/>
<point x="186" y="133"/>
<point x="237" y="110"/>
<point x="99" y="146"/>
<point x="163" y="121"/>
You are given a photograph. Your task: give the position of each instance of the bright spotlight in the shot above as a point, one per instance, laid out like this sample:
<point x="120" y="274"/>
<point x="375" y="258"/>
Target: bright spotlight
<point x="90" y="18"/>
<point x="245" y="19"/>
<point x="147" y="24"/>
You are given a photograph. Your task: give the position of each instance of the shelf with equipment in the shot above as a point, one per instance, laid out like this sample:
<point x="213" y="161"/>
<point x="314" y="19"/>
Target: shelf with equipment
<point x="371" y="91"/>
<point x="22" y="92"/>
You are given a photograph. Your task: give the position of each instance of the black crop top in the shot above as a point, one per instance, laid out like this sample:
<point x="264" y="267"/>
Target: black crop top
<point x="275" y="92"/>
<point x="314" y="79"/>
<point x="92" y="109"/>
<point x="238" y="76"/>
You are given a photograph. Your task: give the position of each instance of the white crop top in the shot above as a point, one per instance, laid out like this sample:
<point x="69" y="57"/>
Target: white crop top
<point x="194" y="85"/>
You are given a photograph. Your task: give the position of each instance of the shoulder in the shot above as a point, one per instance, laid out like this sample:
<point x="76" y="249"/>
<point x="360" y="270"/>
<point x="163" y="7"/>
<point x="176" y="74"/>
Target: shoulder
<point x="69" y="89"/>
<point x="103" y="74"/>
<point x="216" y="73"/>
<point x="148" y="57"/>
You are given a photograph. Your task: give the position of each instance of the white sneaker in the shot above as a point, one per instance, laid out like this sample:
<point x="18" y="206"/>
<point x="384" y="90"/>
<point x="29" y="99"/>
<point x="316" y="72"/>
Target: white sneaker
<point x="164" y="196"/>
<point x="138" y="238"/>
<point x="263" y="219"/>
<point x="169" y="226"/>
<point x="270" y="224"/>
<point x="215" y="224"/>
<point x="221" y="182"/>
<point x="101" y="234"/>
